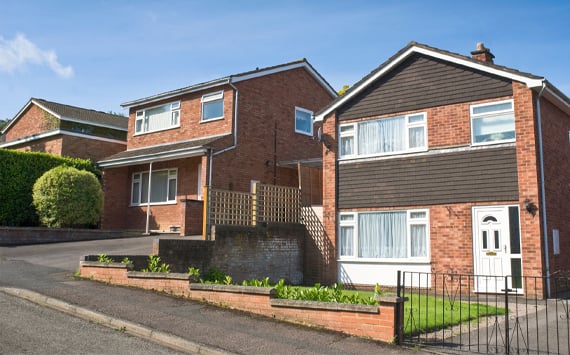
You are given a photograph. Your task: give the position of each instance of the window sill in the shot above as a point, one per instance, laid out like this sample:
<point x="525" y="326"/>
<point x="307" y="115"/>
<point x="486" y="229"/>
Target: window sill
<point x="304" y="133"/>
<point x="383" y="261"/>
<point x="158" y="130"/>
<point x="493" y="143"/>
<point x="211" y="119"/>
<point x="153" y="204"/>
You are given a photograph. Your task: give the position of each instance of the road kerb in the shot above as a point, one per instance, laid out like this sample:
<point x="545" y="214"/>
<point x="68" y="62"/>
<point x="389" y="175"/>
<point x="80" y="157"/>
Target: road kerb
<point x="165" y="339"/>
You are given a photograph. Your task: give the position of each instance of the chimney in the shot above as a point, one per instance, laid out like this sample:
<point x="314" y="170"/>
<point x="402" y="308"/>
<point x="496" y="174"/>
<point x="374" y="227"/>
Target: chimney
<point x="483" y="54"/>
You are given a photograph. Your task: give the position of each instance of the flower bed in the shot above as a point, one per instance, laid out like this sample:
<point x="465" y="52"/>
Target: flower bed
<point x="375" y="322"/>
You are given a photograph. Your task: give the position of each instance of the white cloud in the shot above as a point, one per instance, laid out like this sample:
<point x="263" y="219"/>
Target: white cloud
<point x="17" y="53"/>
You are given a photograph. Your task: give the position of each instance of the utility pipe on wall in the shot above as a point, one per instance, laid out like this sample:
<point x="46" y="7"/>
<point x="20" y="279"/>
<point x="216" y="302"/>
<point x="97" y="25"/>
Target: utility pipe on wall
<point x="543" y="191"/>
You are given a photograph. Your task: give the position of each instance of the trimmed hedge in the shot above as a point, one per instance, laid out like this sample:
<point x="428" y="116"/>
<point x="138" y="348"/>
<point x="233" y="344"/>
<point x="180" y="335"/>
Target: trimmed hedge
<point x="18" y="173"/>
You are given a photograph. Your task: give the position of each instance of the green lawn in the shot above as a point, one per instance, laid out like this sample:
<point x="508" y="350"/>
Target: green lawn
<point x="423" y="313"/>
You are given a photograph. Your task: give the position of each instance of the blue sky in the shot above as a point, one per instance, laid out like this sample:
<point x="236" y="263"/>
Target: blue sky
<point x="98" y="54"/>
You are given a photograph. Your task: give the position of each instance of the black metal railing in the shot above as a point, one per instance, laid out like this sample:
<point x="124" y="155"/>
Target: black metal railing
<point x="457" y="313"/>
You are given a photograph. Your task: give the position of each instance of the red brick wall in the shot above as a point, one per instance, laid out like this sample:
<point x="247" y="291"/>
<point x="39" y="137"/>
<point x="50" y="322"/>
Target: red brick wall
<point x="451" y="225"/>
<point x="33" y="121"/>
<point x="528" y="177"/>
<point x="267" y="117"/>
<point x="119" y="214"/>
<point x="51" y="145"/>
<point x="190" y="125"/>
<point x="556" y="147"/>
<point x="86" y="148"/>
<point x="329" y="192"/>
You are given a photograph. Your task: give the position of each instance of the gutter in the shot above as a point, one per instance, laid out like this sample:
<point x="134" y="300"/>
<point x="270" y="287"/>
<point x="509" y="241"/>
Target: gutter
<point x="543" y="191"/>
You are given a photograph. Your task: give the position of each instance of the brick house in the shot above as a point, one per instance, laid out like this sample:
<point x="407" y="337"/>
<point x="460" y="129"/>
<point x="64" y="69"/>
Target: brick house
<point x="51" y="127"/>
<point x="440" y="162"/>
<point x="225" y="133"/>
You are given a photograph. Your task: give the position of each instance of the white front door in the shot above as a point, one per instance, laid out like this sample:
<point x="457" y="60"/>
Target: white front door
<point x="491" y="248"/>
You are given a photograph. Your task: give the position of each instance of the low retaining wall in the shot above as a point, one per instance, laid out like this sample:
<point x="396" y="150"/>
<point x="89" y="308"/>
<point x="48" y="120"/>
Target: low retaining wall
<point x="40" y="235"/>
<point x="375" y="322"/>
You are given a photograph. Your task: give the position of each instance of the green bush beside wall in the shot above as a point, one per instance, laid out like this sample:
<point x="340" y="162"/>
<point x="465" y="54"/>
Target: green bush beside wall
<point x="18" y="173"/>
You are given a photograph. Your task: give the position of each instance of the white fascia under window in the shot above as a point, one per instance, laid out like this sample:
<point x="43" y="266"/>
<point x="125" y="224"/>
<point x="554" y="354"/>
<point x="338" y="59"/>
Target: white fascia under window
<point x="384" y="136"/>
<point x="212" y="106"/>
<point x="163" y="187"/>
<point x="158" y="118"/>
<point x="303" y="121"/>
<point x="492" y="122"/>
<point x="384" y="236"/>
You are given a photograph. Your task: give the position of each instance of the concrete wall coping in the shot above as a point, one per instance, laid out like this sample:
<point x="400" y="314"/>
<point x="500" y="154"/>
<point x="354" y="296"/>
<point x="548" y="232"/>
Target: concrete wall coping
<point x="112" y="265"/>
<point x="361" y="308"/>
<point x="158" y="275"/>
<point x="233" y="289"/>
<point x="390" y="299"/>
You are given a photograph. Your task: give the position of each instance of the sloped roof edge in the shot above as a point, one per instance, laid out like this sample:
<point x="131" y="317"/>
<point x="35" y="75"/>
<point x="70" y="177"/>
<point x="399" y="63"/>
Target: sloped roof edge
<point x="532" y="81"/>
<point x="301" y="63"/>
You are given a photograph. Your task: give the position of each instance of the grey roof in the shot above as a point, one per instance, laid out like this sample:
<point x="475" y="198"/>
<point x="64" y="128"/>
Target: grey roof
<point x="159" y="152"/>
<point x="234" y="78"/>
<point x="358" y="86"/>
<point x="83" y="114"/>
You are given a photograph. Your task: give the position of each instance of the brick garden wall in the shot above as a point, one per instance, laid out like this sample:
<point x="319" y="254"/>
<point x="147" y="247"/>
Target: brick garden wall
<point x="375" y="322"/>
<point x="275" y="251"/>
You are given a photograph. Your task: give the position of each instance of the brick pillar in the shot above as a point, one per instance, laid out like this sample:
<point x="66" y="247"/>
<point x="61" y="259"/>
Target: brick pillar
<point x="330" y="146"/>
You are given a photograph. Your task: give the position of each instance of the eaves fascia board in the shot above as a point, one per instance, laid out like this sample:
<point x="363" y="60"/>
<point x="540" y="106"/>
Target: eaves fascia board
<point x="530" y="82"/>
<point x="187" y="153"/>
<point x="91" y="123"/>
<point x="176" y="93"/>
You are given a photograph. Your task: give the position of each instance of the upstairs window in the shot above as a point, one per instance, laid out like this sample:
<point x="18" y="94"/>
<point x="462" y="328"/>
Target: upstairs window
<point x="158" y="118"/>
<point x="213" y="106"/>
<point x="163" y="187"/>
<point x="303" y="121"/>
<point x="385" y="136"/>
<point x="493" y="123"/>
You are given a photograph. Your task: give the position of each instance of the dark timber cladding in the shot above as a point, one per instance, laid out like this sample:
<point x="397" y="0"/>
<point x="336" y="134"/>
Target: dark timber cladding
<point x="487" y="174"/>
<point x="421" y="82"/>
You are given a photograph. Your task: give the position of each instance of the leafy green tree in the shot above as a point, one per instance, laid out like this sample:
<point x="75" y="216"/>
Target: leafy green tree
<point x="67" y="197"/>
<point x="3" y="123"/>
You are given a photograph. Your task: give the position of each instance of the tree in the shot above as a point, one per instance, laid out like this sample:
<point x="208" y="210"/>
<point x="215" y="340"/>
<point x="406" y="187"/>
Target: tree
<point x="67" y="197"/>
<point x="3" y="123"/>
<point x="343" y="90"/>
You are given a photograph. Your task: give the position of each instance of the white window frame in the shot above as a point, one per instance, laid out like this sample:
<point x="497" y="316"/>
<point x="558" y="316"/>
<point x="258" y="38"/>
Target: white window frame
<point x="354" y="134"/>
<point x="300" y="109"/>
<point x="409" y="222"/>
<point x="142" y="120"/>
<point x="474" y="116"/>
<point x="137" y="178"/>
<point x="210" y="98"/>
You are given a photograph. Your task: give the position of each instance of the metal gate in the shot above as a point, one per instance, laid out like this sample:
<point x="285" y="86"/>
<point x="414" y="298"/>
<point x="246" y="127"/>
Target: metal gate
<point x="443" y="313"/>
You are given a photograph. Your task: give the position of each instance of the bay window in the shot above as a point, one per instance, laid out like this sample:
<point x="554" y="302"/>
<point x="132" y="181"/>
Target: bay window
<point x="384" y="235"/>
<point x="492" y="123"/>
<point x="385" y="136"/>
<point x="158" y="118"/>
<point x="163" y="187"/>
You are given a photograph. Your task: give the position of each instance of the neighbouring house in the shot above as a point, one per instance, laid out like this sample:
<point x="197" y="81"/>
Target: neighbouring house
<point x="226" y="133"/>
<point x="51" y="127"/>
<point x="446" y="163"/>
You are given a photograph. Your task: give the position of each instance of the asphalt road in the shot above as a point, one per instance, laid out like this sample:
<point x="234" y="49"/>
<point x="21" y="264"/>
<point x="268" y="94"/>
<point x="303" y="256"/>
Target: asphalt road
<point x="32" y="329"/>
<point x="48" y="270"/>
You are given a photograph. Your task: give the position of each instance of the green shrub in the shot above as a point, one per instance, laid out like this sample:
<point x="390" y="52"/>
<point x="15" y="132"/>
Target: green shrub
<point x="155" y="265"/>
<point x="126" y="260"/>
<point x="102" y="258"/>
<point x="215" y="276"/>
<point x="18" y="173"/>
<point x="68" y="197"/>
